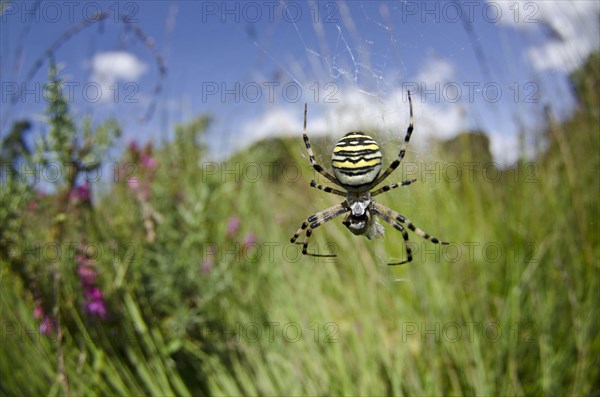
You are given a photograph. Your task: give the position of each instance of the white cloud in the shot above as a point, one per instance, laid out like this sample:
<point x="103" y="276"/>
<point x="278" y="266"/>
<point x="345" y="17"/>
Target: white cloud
<point x="442" y="122"/>
<point x="358" y="110"/>
<point x="436" y="70"/>
<point x="573" y="24"/>
<point x="504" y="147"/>
<point x="271" y="123"/>
<point x="440" y="119"/>
<point x="109" y="67"/>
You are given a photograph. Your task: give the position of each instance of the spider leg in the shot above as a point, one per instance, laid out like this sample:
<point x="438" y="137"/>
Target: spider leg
<point x="397" y="220"/>
<point x="392" y="186"/>
<point x="316" y="220"/>
<point x="399" y="227"/>
<point x="382" y="209"/>
<point x="396" y="162"/>
<point x="311" y="155"/>
<point x="327" y="188"/>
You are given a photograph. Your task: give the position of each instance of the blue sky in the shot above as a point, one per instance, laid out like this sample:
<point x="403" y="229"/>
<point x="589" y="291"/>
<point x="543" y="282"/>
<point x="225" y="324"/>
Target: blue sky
<point x="252" y="65"/>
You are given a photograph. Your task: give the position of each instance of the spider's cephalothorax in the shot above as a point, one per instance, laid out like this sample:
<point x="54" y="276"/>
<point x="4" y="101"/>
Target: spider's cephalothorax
<point x="356" y="163"/>
<point x="359" y="219"/>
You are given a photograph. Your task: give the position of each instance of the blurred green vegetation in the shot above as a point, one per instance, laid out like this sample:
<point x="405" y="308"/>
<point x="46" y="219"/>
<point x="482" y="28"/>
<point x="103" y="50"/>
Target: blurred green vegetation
<point x="205" y="295"/>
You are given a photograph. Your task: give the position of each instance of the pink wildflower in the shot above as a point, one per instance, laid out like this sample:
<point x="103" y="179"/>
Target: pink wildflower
<point x="47" y="326"/>
<point x="233" y="225"/>
<point x="81" y="193"/>
<point x="148" y="162"/>
<point x="93" y="299"/>
<point x="249" y="239"/>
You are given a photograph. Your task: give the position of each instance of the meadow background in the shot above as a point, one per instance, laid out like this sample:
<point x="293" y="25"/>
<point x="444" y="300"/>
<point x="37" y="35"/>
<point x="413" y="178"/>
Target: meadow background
<point x="178" y="278"/>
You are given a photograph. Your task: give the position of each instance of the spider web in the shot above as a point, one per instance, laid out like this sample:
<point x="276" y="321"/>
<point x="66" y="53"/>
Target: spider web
<point x="356" y="61"/>
<point x="364" y="79"/>
<point x="355" y="73"/>
<point x="355" y="70"/>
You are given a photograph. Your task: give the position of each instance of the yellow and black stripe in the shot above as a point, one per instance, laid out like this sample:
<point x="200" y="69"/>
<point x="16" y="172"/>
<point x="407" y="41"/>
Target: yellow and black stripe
<point x="356" y="159"/>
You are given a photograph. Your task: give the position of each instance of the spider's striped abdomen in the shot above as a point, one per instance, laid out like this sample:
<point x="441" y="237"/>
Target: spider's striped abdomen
<point x="356" y="159"/>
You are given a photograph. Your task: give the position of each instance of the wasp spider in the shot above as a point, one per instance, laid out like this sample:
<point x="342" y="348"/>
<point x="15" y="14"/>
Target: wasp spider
<point x="356" y="163"/>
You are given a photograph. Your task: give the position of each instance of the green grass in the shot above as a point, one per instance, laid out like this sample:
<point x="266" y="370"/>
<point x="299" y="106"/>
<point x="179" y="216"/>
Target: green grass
<point x="508" y="309"/>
